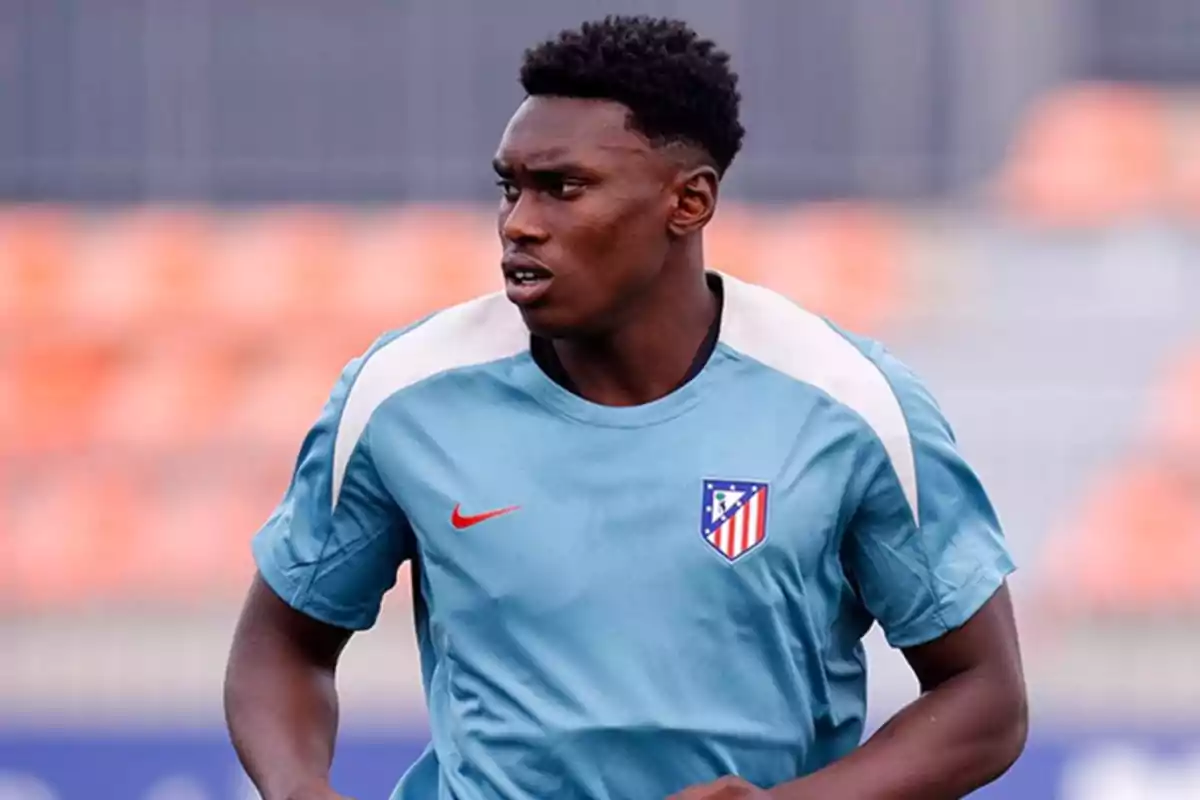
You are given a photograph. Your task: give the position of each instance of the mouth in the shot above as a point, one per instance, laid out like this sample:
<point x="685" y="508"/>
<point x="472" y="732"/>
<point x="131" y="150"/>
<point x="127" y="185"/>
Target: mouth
<point x="526" y="280"/>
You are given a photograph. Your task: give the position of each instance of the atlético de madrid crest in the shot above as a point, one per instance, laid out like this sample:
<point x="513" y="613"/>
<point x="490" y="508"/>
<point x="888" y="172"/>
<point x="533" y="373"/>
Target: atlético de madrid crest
<point x="733" y="517"/>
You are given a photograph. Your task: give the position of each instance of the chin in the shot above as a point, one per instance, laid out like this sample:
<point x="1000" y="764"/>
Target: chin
<point x="546" y="325"/>
<point x="548" y="322"/>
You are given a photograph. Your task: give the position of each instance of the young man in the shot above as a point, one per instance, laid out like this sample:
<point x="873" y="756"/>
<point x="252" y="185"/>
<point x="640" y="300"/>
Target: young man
<point x="651" y="510"/>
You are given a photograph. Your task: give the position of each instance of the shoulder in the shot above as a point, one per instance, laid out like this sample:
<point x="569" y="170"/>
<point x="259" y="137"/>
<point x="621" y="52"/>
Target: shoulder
<point x="475" y="333"/>
<point x="856" y="372"/>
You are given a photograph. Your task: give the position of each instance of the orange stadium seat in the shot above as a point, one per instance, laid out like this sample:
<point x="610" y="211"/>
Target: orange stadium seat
<point x="35" y="260"/>
<point x="1174" y="420"/>
<point x="9" y="423"/>
<point x="842" y="260"/>
<point x="1184" y="192"/>
<point x="53" y="388"/>
<point x="282" y="393"/>
<point x="272" y="272"/>
<point x="69" y="541"/>
<point x="165" y="396"/>
<point x="1133" y="549"/>
<point x="409" y="262"/>
<point x="1135" y="546"/>
<point x="126" y="533"/>
<point x="136" y="273"/>
<point x="192" y="546"/>
<point x="1089" y="155"/>
<point x="731" y="242"/>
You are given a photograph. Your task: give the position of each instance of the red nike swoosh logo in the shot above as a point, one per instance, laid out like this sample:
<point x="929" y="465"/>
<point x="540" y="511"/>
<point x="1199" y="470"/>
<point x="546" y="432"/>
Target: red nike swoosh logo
<point x="461" y="522"/>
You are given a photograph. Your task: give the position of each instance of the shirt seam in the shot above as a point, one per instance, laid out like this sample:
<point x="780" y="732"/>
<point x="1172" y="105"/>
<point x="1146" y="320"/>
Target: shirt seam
<point x="890" y="468"/>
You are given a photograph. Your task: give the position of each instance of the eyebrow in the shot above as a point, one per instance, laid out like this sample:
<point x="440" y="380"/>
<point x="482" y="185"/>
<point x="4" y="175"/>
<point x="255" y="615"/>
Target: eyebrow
<point x="549" y="168"/>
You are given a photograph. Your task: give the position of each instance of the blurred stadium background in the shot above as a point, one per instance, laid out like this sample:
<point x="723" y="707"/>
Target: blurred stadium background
<point x="209" y="206"/>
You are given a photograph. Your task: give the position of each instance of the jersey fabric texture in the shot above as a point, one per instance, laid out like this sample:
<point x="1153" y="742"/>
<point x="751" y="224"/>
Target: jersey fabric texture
<point x="621" y="602"/>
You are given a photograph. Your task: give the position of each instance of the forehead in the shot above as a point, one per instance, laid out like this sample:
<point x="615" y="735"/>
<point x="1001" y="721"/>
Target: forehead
<point x="563" y="130"/>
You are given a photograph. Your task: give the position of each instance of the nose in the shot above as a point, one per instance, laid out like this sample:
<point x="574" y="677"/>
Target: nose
<point x="520" y="222"/>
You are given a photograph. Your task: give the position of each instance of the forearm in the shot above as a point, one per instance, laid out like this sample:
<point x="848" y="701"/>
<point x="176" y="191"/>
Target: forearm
<point x="282" y="716"/>
<point x="952" y="740"/>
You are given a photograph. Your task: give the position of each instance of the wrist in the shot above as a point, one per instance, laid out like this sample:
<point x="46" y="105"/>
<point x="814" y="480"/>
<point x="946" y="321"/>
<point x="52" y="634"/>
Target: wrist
<point x="316" y="790"/>
<point x="324" y="793"/>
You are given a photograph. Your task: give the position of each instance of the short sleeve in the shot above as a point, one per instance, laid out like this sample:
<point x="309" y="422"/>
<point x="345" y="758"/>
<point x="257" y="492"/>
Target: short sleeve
<point x="334" y="559"/>
<point x="924" y="571"/>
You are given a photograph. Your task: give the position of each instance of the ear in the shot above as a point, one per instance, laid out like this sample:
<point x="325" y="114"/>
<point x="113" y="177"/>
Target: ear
<point x="695" y="200"/>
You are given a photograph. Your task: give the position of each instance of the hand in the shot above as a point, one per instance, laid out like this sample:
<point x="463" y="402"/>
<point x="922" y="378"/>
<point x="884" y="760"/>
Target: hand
<point x="730" y="787"/>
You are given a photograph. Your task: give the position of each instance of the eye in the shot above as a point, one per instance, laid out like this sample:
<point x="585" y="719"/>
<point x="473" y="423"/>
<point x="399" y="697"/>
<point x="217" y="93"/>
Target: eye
<point x="565" y="189"/>
<point x="508" y="189"/>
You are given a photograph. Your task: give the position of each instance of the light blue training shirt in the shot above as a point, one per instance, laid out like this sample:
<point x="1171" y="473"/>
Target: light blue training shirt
<point x="621" y="602"/>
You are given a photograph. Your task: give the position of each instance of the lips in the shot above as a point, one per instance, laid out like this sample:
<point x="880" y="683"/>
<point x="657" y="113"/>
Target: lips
<point x="526" y="280"/>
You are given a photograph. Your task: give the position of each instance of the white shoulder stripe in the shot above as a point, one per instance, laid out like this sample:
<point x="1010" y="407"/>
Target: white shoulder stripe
<point x="775" y="331"/>
<point x="480" y="331"/>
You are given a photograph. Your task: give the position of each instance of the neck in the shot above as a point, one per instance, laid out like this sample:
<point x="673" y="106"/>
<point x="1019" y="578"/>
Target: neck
<point x="646" y="356"/>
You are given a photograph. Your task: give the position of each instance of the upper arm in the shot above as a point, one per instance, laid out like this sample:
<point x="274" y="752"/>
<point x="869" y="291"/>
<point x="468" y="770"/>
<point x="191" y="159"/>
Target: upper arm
<point x="987" y="641"/>
<point x="924" y="569"/>
<point x="266" y="619"/>
<point x="334" y="556"/>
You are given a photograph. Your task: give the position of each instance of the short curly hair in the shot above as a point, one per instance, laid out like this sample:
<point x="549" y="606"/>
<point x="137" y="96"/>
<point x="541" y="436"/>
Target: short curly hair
<point x="677" y="86"/>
